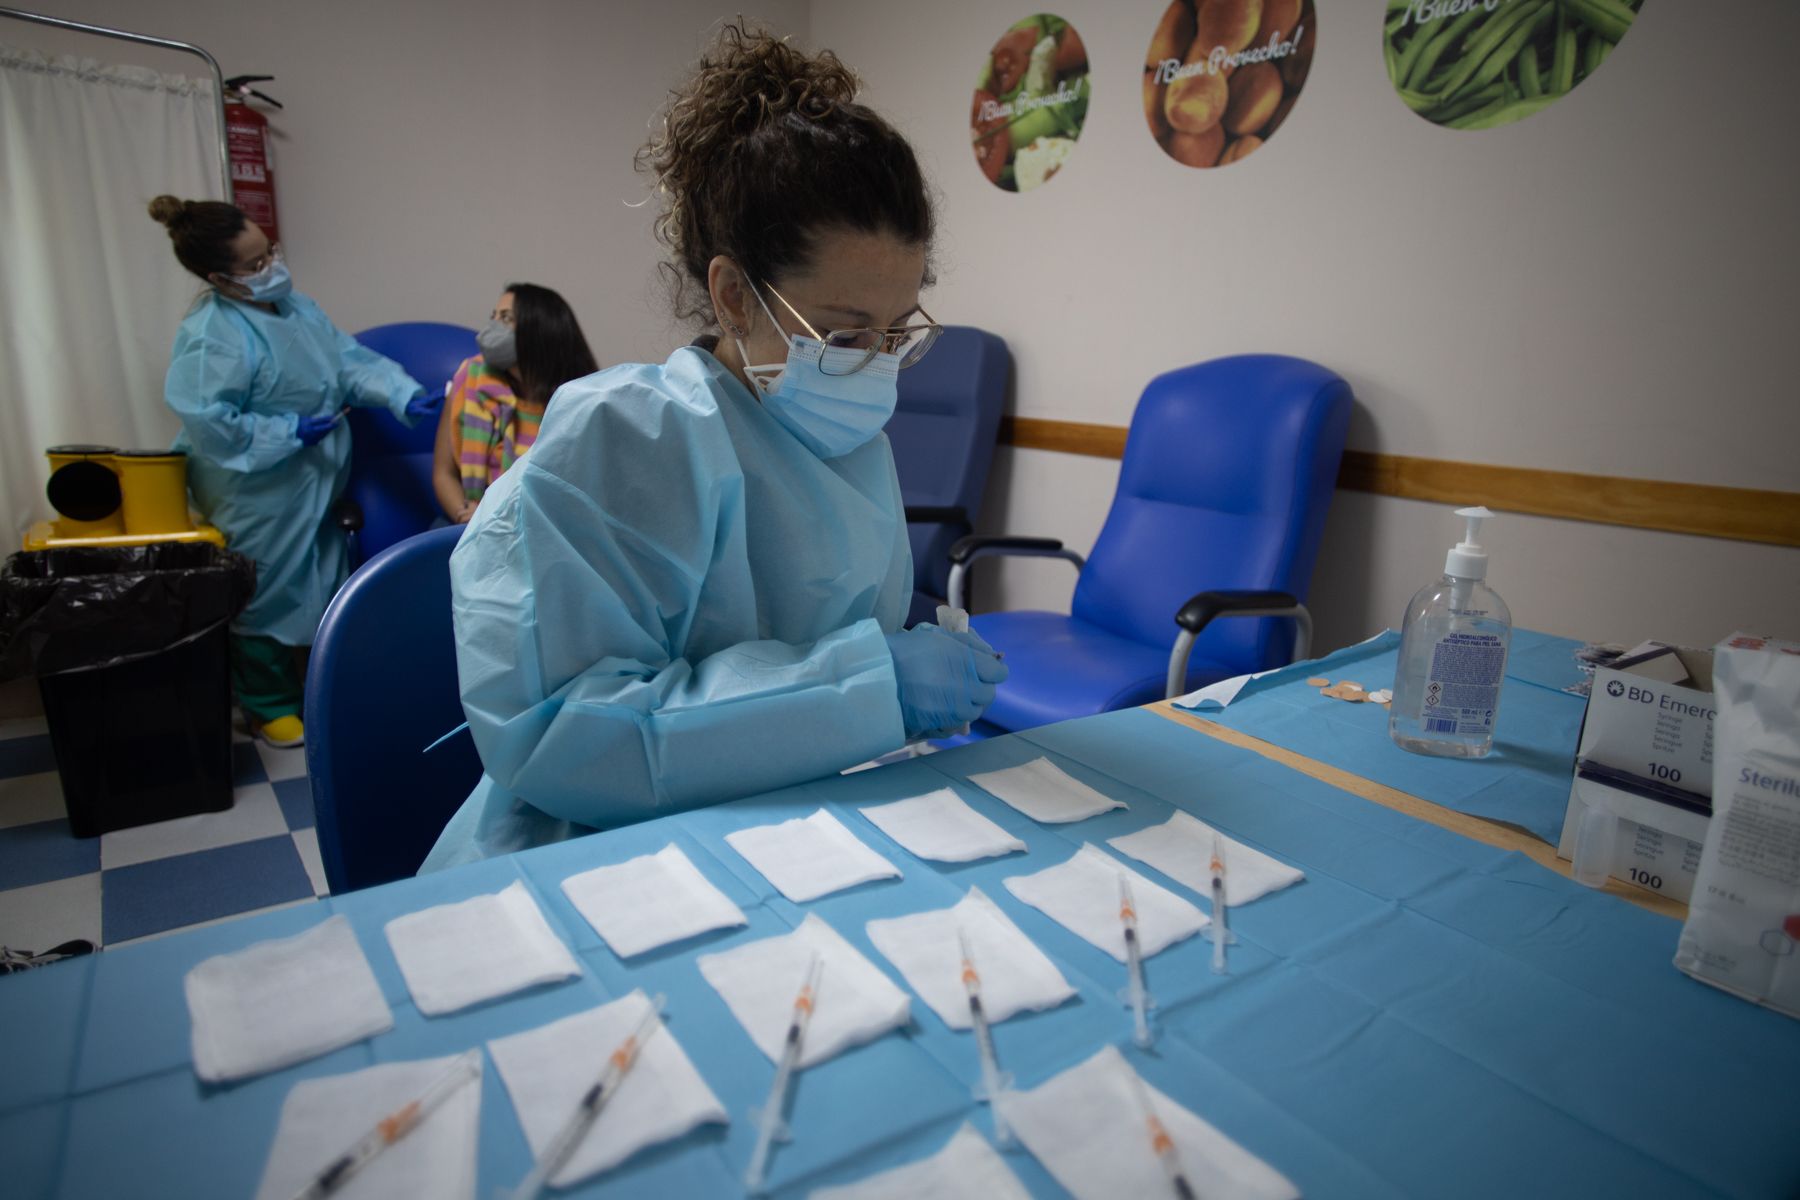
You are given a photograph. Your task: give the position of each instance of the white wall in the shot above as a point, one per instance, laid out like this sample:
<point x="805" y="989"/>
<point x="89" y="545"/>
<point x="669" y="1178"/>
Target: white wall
<point x="433" y="150"/>
<point x="1603" y="288"/>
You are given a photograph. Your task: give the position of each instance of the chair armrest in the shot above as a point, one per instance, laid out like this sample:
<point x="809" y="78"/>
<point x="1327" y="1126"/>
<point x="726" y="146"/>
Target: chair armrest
<point x="920" y="514"/>
<point x="1200" y="610"/>
<point x="966" y="550"/>
<point x="1203" y="607"/>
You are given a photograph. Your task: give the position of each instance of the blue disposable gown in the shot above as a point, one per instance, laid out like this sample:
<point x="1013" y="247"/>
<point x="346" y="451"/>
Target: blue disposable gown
<point x="240" y="378"/>
<point x="670" y="602"/>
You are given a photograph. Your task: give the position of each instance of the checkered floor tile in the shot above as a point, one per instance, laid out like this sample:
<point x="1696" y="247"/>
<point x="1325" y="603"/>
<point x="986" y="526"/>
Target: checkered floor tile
<point x="261" y="853"/>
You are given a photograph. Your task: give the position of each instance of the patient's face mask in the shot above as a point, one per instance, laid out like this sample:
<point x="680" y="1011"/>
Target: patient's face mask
<point x="499" y="345"/>
<point x="821" y="395"/>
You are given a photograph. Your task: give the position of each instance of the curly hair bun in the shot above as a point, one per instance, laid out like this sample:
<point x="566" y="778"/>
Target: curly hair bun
<point x="760" y="147"/>
<point x="168" y="209"/>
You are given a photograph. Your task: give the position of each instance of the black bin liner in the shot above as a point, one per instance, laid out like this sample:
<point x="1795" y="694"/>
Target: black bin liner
<point x="130" y="647"/>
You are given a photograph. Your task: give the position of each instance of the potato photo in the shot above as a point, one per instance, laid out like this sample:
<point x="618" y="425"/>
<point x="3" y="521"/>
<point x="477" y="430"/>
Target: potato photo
<point x="1220" y="76"/>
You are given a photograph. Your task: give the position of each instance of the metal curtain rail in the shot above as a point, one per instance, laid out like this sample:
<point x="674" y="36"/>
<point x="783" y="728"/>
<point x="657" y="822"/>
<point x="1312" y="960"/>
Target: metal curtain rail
<point x="144" y="39"/>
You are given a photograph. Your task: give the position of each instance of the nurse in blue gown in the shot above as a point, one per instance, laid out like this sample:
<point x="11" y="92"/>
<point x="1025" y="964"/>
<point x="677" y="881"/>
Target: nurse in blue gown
<point x="692" y="588"/>
<point x="260" y="377"/>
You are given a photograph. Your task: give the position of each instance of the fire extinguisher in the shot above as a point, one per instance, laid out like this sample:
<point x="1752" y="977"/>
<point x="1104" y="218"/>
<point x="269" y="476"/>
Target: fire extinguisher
<point x="247" y="142"/>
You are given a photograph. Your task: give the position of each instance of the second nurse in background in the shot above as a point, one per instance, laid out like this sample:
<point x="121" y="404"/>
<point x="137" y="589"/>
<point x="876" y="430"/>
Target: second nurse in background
<point x="692" y="588"/>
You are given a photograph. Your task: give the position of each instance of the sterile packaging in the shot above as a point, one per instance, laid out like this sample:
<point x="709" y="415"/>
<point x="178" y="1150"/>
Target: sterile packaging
<point x="1743" y="927"/>
<point x="1641" y="797"/>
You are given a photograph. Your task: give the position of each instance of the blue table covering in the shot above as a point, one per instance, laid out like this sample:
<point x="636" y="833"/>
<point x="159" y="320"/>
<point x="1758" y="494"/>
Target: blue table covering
<point x="1524" y="780"/>
<point x="1423" y="1016"/>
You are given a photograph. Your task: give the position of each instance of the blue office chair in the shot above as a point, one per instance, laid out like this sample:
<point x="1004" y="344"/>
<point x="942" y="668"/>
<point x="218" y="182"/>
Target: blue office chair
<point x="1229" y="468"/>
<point x="390" y="465"/>
<point x="943" y="433"/>
<point x="383" y="687"/>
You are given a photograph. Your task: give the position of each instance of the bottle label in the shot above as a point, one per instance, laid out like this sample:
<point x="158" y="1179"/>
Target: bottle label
<point x="1463" y="689"/>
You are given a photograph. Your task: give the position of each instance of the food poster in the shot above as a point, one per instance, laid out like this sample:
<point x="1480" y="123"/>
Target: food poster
<point x="1221" y="76"/>
<point x="1030" y="101"/>
<point x="1481" y="64"/>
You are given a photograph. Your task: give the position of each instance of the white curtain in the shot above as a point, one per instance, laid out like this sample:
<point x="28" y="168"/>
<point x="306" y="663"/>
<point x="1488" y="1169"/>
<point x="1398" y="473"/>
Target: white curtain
<point x="90" y="292"/>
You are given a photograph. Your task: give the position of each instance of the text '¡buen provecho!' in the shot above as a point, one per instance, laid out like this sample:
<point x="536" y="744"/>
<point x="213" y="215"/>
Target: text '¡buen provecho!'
<point x="1222" y="60"/>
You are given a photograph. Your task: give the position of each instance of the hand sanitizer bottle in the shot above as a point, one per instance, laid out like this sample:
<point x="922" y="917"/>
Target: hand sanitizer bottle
<point x="1453" y="648"/>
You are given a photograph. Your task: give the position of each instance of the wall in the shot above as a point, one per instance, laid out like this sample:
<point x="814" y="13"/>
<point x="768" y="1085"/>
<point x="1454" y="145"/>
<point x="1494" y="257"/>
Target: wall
<point x="1596" y="289"/>
<point x="433" y="150"/>
<point x="1600" y="288"/>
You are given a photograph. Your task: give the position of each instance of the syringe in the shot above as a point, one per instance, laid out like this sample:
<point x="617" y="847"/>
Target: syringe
<point x="992" y="1081"/>
<point x="1161" y="1144"/>
<point x="393" y="1127"/>
<point x="1136" y="995"/>
<point x="769" y="1121"/>
<point x="1220" y="933"/>
<point x="588" y="1110"/>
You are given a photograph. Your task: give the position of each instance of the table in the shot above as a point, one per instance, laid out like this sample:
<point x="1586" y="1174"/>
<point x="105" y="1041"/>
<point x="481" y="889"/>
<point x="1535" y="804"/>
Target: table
<point x="1426" y="1015"/>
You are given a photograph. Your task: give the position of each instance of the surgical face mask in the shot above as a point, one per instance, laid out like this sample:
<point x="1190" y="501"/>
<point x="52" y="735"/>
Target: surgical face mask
<point x="270" y="284"/>
<point x="830" y="412"/>
<point x="499" y="345"/>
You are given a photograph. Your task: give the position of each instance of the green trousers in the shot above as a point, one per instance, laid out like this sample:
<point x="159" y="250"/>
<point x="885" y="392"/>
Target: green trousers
<point x="267" y="678"/>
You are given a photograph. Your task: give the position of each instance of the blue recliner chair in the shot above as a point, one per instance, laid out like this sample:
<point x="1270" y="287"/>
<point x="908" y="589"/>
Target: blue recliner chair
<point x="390" y="465"/>
<point x="943" y="433"/>
<point x="1229" y="469"/>
<point x="382" y="688"/>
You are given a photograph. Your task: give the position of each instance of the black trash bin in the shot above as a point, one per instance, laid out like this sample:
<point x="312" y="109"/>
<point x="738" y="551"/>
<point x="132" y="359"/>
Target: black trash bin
<point x="131" y="649"/>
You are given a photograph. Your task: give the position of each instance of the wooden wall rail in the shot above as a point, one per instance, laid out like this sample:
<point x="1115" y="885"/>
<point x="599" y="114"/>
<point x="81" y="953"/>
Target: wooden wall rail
<point x="1741" y="514"/>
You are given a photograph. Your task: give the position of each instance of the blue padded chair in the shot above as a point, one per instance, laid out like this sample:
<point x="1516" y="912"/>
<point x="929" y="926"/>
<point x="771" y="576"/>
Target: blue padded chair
<point x="1229" y="468"/>
<point x="943" y="432"/>
<point x="390" y="465"/>
<point x="382" y="687"/>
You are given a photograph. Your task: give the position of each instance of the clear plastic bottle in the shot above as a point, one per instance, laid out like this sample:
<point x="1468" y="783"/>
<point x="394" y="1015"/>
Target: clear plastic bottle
<point x="1453" y="646"/>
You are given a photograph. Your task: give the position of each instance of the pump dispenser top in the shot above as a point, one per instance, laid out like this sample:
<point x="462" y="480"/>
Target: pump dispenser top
<point x="1468" y="559"/>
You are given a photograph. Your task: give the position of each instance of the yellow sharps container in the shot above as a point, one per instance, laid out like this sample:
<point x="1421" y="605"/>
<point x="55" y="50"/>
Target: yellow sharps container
<point x="108" y="497"/>
<point x="155" y="486"/>
<point x="84" y="489"/>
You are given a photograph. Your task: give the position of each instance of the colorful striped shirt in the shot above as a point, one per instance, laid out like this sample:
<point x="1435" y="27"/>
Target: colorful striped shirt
<point x="494" y="426"/>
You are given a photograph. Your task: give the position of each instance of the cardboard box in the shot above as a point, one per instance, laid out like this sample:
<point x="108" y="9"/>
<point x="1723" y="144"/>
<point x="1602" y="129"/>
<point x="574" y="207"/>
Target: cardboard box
<point x="1650" y="718"/>
<point x="1645" y="755"/>
<point x="1659" y="843"/>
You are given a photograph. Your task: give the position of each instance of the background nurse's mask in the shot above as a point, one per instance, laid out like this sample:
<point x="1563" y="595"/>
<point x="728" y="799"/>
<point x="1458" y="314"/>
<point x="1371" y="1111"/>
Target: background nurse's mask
<point x="270" y="284"/>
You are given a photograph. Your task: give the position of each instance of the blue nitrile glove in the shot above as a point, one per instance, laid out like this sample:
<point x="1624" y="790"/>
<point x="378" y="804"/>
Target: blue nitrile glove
<point x="423" y="405"/>
<point x="945" y="679"/>
<point x="312" y="430"/>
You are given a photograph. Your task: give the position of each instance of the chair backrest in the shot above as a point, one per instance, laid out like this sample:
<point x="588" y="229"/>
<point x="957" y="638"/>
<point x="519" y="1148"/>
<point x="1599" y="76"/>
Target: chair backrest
<point x="1229" y="470"/>
<point x="430" y="351"/>
<point x="390" y="465"/>
<point x="943" y="433"/>
<point x="382" y="687"/>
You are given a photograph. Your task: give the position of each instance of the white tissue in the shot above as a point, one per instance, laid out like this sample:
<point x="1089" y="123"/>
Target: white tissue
<point x="455" y="955"/>
<point x="650" y="901"/>
<point x="1045" y="792"/>
<point x="809" y="857"/>
<point x="940" y="825"/>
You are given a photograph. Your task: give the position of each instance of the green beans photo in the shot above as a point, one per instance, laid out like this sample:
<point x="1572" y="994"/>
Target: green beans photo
<point x="1481" y="64"/>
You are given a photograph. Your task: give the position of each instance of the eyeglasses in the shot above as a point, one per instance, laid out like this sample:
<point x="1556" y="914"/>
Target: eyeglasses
<point x="272" y="255"/>
<point x="910" y="342"/>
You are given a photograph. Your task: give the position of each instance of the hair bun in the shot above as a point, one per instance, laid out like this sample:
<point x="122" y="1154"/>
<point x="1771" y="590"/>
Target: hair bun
<point x="168" y="210"/>
<point x="752" y="79"/>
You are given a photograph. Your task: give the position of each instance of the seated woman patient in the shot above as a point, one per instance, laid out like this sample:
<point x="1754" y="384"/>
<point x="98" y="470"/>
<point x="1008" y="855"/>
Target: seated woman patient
<point x="531" y="346"/>
<point x="692" y="588"/>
